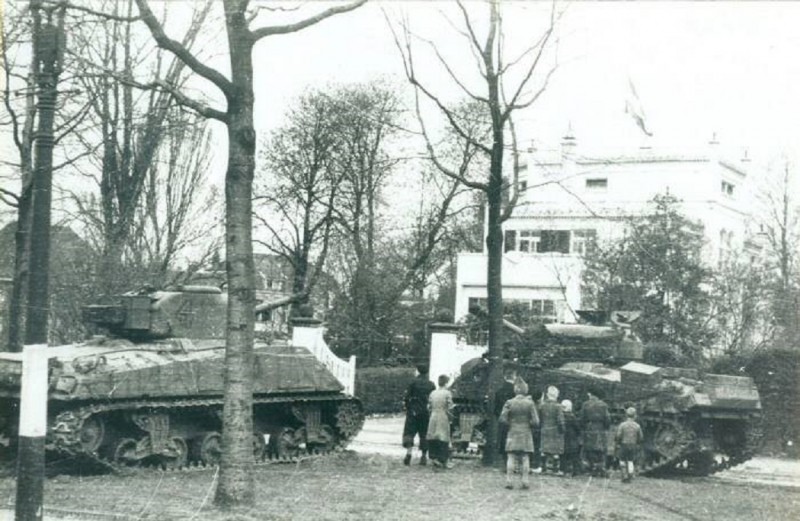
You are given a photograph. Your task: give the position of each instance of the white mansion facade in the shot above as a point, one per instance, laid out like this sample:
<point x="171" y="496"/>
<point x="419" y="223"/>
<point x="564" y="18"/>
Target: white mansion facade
<point x="568" y="197"/>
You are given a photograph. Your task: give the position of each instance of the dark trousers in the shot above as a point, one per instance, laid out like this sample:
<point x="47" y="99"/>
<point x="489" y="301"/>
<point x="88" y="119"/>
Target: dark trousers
<point x="596" y="460"/>
<point x="571" y="463"/>
<point x="439" y="450"/>
<point x="416" y="425"/>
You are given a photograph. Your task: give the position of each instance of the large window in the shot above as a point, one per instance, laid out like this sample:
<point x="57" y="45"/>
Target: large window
<point x="549" y="241"/>
<point x="521" y="312"/>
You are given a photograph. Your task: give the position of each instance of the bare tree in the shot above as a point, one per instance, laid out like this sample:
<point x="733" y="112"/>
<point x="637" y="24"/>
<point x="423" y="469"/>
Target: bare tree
<point x="236" y="481"/>
<point x="21" y="121"/>
<point x="130" y="125"/>
<point x="177" y="214"/>
<point x="781" y="228"/>
<point x="499" y="100"/>
<point x="299" y="187"/>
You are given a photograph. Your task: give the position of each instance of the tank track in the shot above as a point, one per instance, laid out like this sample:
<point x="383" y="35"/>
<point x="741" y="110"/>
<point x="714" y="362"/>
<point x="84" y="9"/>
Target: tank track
<point x="66" y="431"/>
<point x="687" y="459"/>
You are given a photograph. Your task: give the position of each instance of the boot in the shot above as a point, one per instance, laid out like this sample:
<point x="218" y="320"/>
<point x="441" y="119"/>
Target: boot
<point x="423" y="460"/>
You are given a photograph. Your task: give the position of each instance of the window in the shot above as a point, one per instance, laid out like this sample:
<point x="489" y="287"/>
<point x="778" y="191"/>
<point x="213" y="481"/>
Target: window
<point x="583" y="241"/>
<point x="597" y="183"/>
<point x="537" y="241"/>
<point x="529" y="240"/>
<point x="554" y="241"/>
<point x="476" y="303"/>
<point x="510" y="241"/>
<point x="523" y="185"/>
<point x="727" y="188"/>
<point x="525" y="312"/>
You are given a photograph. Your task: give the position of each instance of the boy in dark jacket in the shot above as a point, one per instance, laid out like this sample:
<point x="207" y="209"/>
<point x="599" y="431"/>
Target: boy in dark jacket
<point x="628" y="439"/>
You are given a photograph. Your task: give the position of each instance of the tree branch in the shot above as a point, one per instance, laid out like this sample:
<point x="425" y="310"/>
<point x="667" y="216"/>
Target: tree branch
<point x="182" y="53"/>
<point x="291" y="28"/>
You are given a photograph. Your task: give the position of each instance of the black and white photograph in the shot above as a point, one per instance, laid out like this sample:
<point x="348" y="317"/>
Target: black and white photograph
<point x="399" y="260"/>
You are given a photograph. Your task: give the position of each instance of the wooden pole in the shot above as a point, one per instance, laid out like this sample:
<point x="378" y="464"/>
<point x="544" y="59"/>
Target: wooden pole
<point x="32" y="431"/>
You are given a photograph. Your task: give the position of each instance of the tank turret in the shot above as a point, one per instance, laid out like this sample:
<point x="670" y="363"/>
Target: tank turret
<point x="189" y="311"/>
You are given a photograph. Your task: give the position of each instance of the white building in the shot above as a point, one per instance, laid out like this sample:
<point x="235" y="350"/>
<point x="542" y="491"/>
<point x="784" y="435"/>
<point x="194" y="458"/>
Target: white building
<point x="569" y="197"/>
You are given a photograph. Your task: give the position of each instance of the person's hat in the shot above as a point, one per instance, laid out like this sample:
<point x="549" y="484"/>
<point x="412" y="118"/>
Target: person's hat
<point x="630" y="412"/>
<point x="552" y="393"/>
<point x="566" y="405"/>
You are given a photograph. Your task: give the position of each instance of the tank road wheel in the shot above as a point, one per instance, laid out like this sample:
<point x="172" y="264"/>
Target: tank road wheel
<point x="92" y="434"/>
<point x="283" y="444"/>
<point x="326" y="440"/>
<point x="125" y="453"/>
<point x="208" y="448"/>
<point x="178" y="454"/>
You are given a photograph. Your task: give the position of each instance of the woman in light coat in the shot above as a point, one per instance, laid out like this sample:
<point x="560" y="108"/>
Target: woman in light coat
<point x="440" y="404"/>
<point x="520" y="415"/>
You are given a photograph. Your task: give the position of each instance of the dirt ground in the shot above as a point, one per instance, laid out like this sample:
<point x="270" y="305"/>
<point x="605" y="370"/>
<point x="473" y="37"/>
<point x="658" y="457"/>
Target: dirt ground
<point x="370" y="482"/>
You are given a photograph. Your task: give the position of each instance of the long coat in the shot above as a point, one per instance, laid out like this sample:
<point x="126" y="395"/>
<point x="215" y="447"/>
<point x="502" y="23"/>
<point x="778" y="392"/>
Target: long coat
<point x="520" y="415"/>
<point x="572" y="433"/>
<point x="595" y="422"/>
<point x="552" y="418"/>
<point x="440" y="403"/>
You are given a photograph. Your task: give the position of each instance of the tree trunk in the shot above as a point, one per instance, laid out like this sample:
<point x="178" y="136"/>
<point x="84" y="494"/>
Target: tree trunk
<point x="494" y="290"/>
<point x="236" y="486"/>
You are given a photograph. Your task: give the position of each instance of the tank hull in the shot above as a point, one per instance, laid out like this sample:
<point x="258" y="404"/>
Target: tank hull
<point x="128" y="404"/>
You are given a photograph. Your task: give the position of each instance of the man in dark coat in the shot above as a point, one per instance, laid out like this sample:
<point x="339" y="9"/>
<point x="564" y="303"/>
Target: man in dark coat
<point x="595" y="422"/>
<point x="415" y="402"/>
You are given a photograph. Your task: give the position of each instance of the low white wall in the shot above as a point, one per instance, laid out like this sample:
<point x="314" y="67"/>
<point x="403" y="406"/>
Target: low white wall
<point x="311" y="338"/>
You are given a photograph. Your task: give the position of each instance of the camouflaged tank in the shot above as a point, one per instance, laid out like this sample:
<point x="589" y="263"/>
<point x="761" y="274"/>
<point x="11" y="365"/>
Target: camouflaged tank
<point x="692" y="422"/>
<point x="152" y="391"/>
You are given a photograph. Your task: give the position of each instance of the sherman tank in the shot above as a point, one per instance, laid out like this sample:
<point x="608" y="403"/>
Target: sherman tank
<point x="151" y="391"/>
<point x="692" y="422"/>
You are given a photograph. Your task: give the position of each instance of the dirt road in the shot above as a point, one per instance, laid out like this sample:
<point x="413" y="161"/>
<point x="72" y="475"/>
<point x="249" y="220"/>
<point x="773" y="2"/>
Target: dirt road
<point x="381" y="435"/>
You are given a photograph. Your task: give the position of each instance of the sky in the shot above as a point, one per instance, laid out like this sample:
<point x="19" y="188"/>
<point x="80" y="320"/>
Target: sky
<point x="699" y="69"/>
<point x="728" y="69"/>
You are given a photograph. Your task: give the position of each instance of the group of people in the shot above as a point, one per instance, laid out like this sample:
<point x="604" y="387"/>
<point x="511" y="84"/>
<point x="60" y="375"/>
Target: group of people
<point x="548" y="433"/>
<point x="428" y="414"/>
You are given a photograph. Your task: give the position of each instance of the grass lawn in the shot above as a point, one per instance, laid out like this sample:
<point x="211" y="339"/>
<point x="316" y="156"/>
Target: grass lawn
<point x="350" y="486"/>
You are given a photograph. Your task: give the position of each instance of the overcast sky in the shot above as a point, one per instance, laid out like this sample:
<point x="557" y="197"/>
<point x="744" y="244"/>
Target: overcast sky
<point x="699" y="68"/>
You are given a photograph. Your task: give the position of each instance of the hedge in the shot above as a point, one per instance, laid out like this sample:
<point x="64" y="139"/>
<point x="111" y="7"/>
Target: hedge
<point x="381" y="389"/>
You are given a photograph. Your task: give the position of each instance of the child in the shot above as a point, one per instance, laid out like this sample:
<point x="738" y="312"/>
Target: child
<point x="629" y="439"/>
<point x="571" y="462"/>
<point x="551" y="416"/>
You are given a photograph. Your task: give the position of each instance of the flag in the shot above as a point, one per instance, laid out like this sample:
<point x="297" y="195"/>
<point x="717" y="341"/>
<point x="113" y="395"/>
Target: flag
<point x="633" y="106"/>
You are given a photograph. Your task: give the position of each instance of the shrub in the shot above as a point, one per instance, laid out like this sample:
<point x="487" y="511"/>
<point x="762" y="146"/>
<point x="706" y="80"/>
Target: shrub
<point x="381" y="389"/>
